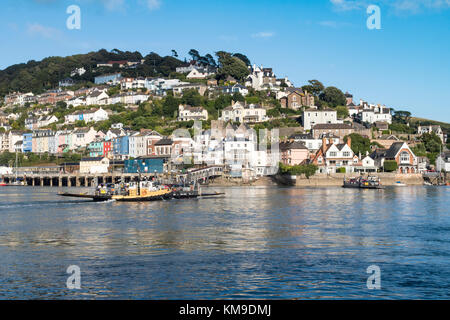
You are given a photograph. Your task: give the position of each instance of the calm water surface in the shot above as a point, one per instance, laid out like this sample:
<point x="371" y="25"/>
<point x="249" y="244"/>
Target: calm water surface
<point x="254" y="243"/>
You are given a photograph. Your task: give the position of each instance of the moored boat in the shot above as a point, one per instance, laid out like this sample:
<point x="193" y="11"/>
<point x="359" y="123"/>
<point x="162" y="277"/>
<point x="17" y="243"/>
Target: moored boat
<point x="371" y="182"/>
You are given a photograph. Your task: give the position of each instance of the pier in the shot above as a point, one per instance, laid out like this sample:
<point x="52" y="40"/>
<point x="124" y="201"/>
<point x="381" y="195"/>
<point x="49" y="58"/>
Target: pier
<point x="53" y="178"/>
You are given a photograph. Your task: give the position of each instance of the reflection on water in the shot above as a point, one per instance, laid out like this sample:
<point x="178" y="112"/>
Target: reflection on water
<point x="252" y="243"/>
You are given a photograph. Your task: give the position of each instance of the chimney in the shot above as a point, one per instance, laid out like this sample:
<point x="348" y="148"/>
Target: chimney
<point x="349" y="141"/>
<point x="324" y="144"/>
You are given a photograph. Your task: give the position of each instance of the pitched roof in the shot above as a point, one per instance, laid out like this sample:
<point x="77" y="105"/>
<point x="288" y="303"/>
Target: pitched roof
<point x="292" y="145"/>
<point x="325" y="126"/>
<point x="394" y="149"/>
<point x="164" y="142"/>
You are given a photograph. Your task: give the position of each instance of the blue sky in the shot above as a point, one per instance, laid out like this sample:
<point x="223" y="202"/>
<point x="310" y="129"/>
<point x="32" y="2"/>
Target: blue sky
<point x="405" y="65"/>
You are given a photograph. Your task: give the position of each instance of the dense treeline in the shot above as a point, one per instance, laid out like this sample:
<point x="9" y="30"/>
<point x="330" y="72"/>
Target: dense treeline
<point x="39" y="76"/>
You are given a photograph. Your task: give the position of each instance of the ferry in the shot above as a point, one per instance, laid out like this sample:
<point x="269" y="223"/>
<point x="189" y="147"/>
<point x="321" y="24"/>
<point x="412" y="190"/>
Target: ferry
<point x="140" y="191"/>
<point x="130" y="192"/>
<point x="371" y="182"/>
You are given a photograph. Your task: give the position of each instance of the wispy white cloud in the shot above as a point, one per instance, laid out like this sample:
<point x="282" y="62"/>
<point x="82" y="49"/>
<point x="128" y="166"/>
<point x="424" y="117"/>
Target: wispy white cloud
<point x="43" y="31"/>
<point x="263" y="35"/>
<point x="153" y="4"/>
<point x="346" y="5"/>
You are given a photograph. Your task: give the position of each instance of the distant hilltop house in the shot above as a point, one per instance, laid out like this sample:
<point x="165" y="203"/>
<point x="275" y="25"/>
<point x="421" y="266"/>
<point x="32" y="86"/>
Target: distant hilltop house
<point x="180" y="88"/>
<point x="312" y="116"/>
<point x="349" y="98"/>
<point x="78" y="71"/>
<point x="436" y="129"/>
<point x="193" y="65"/>
<point x="260" y="78"/>
<point x="236" y="88"/>
<point x="120" y="63"/>
<point x="200" y="73"/>
<point x="188" y="113"/>
<point x="108" y="78"/>
<point x="295" y="98"/>
<point x="92" y="115"/>
<point x="239" y="112"/>
<point x="67" y="82"/>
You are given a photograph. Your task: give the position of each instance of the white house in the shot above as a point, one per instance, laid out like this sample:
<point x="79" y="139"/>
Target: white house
<point x="96" y="97"/>
<point x="187" y="113"/>
<point x="244" y="113"/>
<point x="311" y="117"/>
<point x="330" y="157"/>
<point x="81" y="137"/>
<point x="443" y="162"/>
<point x="436" y="129"/>
<point x="93" y="115"/>
<point x="199" y="73"/>
<point x="94" y="165"/>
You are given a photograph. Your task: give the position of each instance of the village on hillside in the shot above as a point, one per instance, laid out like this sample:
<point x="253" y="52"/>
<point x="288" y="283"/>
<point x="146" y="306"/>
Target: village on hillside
<point x="98" y="128"/>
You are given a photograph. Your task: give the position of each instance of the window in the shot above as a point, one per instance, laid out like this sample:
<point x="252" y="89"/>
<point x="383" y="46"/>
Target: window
<point x="333" y="154"/>
<point x="346" y="154"/>
<point x="404" y="157"/>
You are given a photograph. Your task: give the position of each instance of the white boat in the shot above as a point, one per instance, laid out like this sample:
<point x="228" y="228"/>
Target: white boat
<point x="400" y="184"/>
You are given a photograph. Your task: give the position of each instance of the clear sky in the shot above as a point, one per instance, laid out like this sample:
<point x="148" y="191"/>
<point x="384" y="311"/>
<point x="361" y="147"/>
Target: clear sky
<point x="405" y="64"/>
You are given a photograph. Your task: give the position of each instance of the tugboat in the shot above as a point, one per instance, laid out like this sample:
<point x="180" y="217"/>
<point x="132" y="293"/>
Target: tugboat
<point x="371" y="182"/>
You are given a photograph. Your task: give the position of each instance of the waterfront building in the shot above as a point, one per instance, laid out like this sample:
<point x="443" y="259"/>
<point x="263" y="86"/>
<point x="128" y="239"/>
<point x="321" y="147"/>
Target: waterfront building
<point x="121" y="147"/>
<point x="331" y="158"/>
<point x="400" y="153"/>
<point x="293" y="153"/>
<point x="94" y="165"/>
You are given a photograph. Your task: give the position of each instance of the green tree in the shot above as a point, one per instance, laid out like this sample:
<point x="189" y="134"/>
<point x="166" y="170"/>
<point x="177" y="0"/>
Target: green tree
<point x="231" y="66"/>
<point x="359" y="143"/>
<point x="333" y="97"/>
<point x="314" y="87"/>
<point x="342" y="112"/>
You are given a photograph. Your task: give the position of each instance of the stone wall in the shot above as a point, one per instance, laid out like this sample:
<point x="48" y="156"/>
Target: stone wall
<point x="337" y="179"/>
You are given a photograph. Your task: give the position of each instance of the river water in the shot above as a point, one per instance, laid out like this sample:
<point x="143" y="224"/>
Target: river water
<point x="253" y="243"/>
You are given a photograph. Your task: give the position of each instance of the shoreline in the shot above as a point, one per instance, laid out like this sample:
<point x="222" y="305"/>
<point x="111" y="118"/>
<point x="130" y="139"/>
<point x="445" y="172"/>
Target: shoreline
<point x="318" y="180"/>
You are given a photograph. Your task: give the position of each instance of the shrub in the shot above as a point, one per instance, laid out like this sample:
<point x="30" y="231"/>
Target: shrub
<point x="390" y="166"/>
<point x="341" y="170"/>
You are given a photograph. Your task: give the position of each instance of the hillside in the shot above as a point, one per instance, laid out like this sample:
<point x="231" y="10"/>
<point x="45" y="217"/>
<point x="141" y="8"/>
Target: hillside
<point x="444" y="125"/>
<point x="38" y="76"/>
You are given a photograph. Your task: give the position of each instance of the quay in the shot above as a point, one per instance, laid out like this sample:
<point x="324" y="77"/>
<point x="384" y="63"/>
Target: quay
<point x="49" y="177"/>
